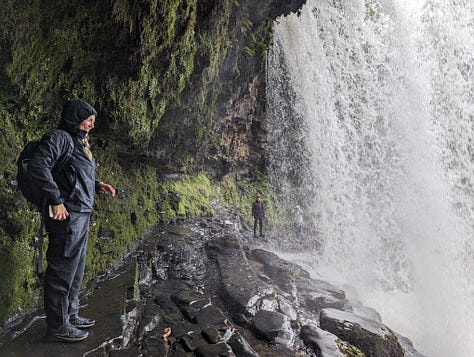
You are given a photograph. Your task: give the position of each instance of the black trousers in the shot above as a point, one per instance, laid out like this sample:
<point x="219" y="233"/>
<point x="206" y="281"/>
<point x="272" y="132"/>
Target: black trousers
<point x="66" y="258"/>
<point x="258" y="221"/>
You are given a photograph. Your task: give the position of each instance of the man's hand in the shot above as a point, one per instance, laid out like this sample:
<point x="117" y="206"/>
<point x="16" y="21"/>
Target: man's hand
<point x="59" y="212"/>
<point x="106" y="188"/>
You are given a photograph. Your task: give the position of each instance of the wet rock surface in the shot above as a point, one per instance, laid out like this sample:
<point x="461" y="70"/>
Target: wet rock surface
<point x="206" y="288"/>
<point x="371" y="337"/>
<point x="322" y="342"/>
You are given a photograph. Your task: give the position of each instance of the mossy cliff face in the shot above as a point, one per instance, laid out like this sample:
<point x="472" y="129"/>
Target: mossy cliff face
<point x="179" y="87"/>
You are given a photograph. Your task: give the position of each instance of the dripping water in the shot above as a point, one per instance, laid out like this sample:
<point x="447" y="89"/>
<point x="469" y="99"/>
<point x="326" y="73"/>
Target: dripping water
<point x="371" y="157"/>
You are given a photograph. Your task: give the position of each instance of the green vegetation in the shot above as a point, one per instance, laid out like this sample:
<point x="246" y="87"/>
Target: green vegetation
<point x="18" y="227"/>
<point x="349" y="350"/>
<point x="151" y="61"/>
<point x="187" y="197"/>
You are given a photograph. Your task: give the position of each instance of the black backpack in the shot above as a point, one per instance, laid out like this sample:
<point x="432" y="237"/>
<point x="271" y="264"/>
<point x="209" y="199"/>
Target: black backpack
<point x="26" y="184"/>
<point x="33" y="194"/>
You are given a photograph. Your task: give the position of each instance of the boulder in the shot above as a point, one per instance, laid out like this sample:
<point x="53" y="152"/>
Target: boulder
<point x="325" y="344"/>
<point x="315" y="301"/>
<point x="371" y="337"/>
<point x="286" y="307"/>
<point x="296" y="283"/>
<point x="315" y="295"/>
<point x="212" y="316"/>
<point x="274" y="327"/>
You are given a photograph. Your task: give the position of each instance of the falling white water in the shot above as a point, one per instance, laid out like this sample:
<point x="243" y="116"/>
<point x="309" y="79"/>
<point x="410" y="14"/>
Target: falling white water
<point x="371" y="149"/>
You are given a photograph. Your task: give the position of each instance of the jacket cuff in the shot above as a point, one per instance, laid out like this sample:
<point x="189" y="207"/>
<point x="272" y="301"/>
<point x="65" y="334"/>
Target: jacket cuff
<point x="54" y="201"/>
<point x="97" y="187"/>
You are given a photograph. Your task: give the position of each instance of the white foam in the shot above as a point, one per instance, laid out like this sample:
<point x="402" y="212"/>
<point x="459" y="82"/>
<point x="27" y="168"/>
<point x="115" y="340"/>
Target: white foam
<point x="371" y="132"/>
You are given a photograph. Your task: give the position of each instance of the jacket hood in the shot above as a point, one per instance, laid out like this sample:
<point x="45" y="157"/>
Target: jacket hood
<point x="74" y="113"/>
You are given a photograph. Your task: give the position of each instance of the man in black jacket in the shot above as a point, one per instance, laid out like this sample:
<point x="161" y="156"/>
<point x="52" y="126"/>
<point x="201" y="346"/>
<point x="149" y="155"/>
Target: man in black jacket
<point x="258" y="213"/>
<point x="70" y="197"/>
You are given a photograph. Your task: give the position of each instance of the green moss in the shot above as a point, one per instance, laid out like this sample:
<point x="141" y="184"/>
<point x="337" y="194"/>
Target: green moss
<point x="349" y="350"/>
<point x="190" y="196"/>
<point x="136" y="286"/>
<point x="19" y="223"/>
<point x="146" y="60"/>
<point x="17" y="287"/>
<point x="166" y="32"/>
<point x="271" y="297"/>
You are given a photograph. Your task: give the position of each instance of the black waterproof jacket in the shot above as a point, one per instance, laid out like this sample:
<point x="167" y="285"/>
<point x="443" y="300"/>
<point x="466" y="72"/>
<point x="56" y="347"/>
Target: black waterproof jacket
<point x="75" y="185"/>
<point x="257" y="210"/>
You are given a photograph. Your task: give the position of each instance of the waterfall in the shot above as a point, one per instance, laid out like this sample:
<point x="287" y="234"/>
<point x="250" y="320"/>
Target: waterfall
<point x="371" y="157"/>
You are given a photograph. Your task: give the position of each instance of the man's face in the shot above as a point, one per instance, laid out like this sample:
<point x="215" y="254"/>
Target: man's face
<point x="87" y="124"/>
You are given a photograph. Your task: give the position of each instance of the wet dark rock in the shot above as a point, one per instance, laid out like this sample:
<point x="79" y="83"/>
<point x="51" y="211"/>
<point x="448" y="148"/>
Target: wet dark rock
<point x="322" y="342"/>
<point x="130" y="322"/>
<point x="211" y="316"/>
<point x="133" y="351"/>
<point x="192" y="341"/>
<point x="241" y="347"/>
<point x="275" y="269"/>
<point x="168" y="307"/>
<point x="315" y="295"/>
<point x="205" y="292"/>
<point x="180" y="329"/>
<point x="242" y="319"/>
<point x="211" y="334"/>
<point x="317" y="300"/>
<point x="218" y="290"/>
<point x="371" y="337"/>
<point x="274" y="327"/>
<point x="190" y="303"/>
<point x="178" y="352"/>
<point x="241" y="288"/>
<point x="220" y="349"/>
<point x="153" y="347"/>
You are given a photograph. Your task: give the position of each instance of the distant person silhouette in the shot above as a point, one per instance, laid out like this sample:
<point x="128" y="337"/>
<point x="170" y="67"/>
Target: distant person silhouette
<point x="299" y="221"/>
<point x="258" y="213"/>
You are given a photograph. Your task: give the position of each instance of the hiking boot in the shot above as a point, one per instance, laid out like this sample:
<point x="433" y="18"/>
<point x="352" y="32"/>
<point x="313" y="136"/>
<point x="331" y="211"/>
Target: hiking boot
<point x="81" y="322"/>
<point x="68" y="333"/>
